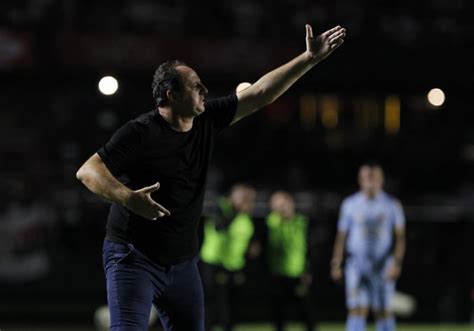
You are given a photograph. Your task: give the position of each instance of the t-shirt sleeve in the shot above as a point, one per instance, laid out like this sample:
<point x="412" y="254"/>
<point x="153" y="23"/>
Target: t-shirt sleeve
<point x="344" y="218"/>
<point x="123" y="148"/>
<point x="221" y="111"/>
<point x="398" y="214"/>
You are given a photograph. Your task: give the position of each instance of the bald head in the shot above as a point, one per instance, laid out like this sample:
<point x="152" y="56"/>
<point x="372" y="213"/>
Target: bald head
<point x="177" y="87"/>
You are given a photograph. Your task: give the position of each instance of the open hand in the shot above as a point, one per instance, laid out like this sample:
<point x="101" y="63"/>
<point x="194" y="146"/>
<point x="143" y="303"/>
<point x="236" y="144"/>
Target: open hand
<point x="324" y="44"/>
<point x="141" y="203"/>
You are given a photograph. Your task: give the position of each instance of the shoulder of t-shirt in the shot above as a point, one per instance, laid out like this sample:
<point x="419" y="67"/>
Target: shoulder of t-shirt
<point x="351" y="199"/>
<point x="212" y="106"/>
<point x="212" y="102"/>
<point x="272" y="218"/>
<point x="144" y="122"/>
<point x="394" y="201"/>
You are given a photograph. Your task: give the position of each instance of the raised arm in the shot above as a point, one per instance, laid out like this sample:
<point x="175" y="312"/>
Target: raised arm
<point x="98" y="179"/>
<point x="273" y="84"/>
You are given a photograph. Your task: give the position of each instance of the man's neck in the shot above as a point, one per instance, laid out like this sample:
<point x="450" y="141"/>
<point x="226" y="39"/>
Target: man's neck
<point x="177" y="122"/>
<point x="371" y="195"/>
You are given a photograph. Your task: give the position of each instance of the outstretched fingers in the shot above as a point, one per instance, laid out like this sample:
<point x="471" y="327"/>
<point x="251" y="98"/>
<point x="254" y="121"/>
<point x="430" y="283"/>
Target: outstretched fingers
<point x="151" y="209"/>
<point x="160" y="210"/>
<point x="336" y="36"/>
<point x="150" y="189"/>
<point x="337" y="44"/>
<point x="309" y="32"/>
<point x="333" y="30"/>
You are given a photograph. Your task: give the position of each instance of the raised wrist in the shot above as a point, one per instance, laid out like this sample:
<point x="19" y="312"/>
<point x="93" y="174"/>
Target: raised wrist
<point x="311" y="57"/>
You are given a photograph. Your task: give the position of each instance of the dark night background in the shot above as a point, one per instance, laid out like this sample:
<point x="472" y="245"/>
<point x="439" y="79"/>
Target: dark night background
<point x="310" y="142"/>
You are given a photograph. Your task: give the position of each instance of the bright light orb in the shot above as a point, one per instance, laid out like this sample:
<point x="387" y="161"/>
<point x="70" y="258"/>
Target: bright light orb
<point x="108" y="85"/>
<point x="242" y="86"/>
<point x="436" y="97"/>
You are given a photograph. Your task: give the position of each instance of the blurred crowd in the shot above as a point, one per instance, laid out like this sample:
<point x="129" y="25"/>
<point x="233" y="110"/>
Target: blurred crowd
<point x="404" y="22"/>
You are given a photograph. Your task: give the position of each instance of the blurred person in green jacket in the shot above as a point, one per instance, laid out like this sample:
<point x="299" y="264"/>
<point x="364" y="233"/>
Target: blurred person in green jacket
<point x="228" y="242"/>
<point x="288" y="262"/>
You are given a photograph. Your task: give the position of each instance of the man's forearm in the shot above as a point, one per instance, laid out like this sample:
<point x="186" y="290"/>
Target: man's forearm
<point x="338" y="251"/>
<point x="276" y="82"/>
<point x="400" y="246"/>
<point x="98" y="179"/>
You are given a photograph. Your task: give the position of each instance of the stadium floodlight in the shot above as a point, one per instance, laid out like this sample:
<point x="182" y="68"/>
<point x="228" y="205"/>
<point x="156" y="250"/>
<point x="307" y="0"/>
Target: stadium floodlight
<point x="108" y="85"/>
<point x="436" y="97"/>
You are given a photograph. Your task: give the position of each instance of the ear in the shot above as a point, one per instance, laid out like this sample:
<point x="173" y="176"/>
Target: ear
<point x="169" y="95"/>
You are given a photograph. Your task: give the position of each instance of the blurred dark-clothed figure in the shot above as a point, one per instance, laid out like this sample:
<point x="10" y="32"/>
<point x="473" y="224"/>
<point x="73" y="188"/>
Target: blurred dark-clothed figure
<point x="228" y="242"/>
<point x="288" y="262"/>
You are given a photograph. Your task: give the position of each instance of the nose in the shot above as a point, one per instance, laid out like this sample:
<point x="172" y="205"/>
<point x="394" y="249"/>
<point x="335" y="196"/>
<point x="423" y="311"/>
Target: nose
<point x="203" y="89"/>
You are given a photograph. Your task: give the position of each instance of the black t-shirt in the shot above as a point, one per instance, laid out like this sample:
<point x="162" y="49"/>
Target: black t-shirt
<point x="147" y="150"/>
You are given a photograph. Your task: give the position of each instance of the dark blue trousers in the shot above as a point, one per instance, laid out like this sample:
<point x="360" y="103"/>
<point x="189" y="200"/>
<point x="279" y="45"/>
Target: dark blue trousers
<point x="134" y="283"/>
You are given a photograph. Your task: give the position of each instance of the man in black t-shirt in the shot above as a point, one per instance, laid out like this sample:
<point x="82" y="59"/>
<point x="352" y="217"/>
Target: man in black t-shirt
<point x="150" y="249"/>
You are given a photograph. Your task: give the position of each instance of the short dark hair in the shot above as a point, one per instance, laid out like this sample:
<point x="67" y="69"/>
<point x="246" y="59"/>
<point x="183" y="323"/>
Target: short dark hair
<point x="166" y="77"/>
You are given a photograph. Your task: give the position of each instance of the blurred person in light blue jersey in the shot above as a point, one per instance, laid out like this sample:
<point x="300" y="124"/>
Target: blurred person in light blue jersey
<point x="371" y="228"/>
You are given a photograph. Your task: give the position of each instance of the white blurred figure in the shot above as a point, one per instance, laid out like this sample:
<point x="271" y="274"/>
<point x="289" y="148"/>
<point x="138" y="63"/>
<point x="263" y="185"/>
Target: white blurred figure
<point x="403" y="304"/>
<point x="102" y="318"/>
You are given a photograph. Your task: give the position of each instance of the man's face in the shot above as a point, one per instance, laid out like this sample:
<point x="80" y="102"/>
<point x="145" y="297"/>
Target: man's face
<point x="243" y="199"/>
<point x="190" y="100"/>
<point x="283" y="204"/>
<point x="371" y="179"/>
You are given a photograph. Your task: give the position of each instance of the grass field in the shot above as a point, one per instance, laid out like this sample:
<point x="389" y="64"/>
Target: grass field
<point x="264" y="327"/>
<point x="340" y="327"/>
